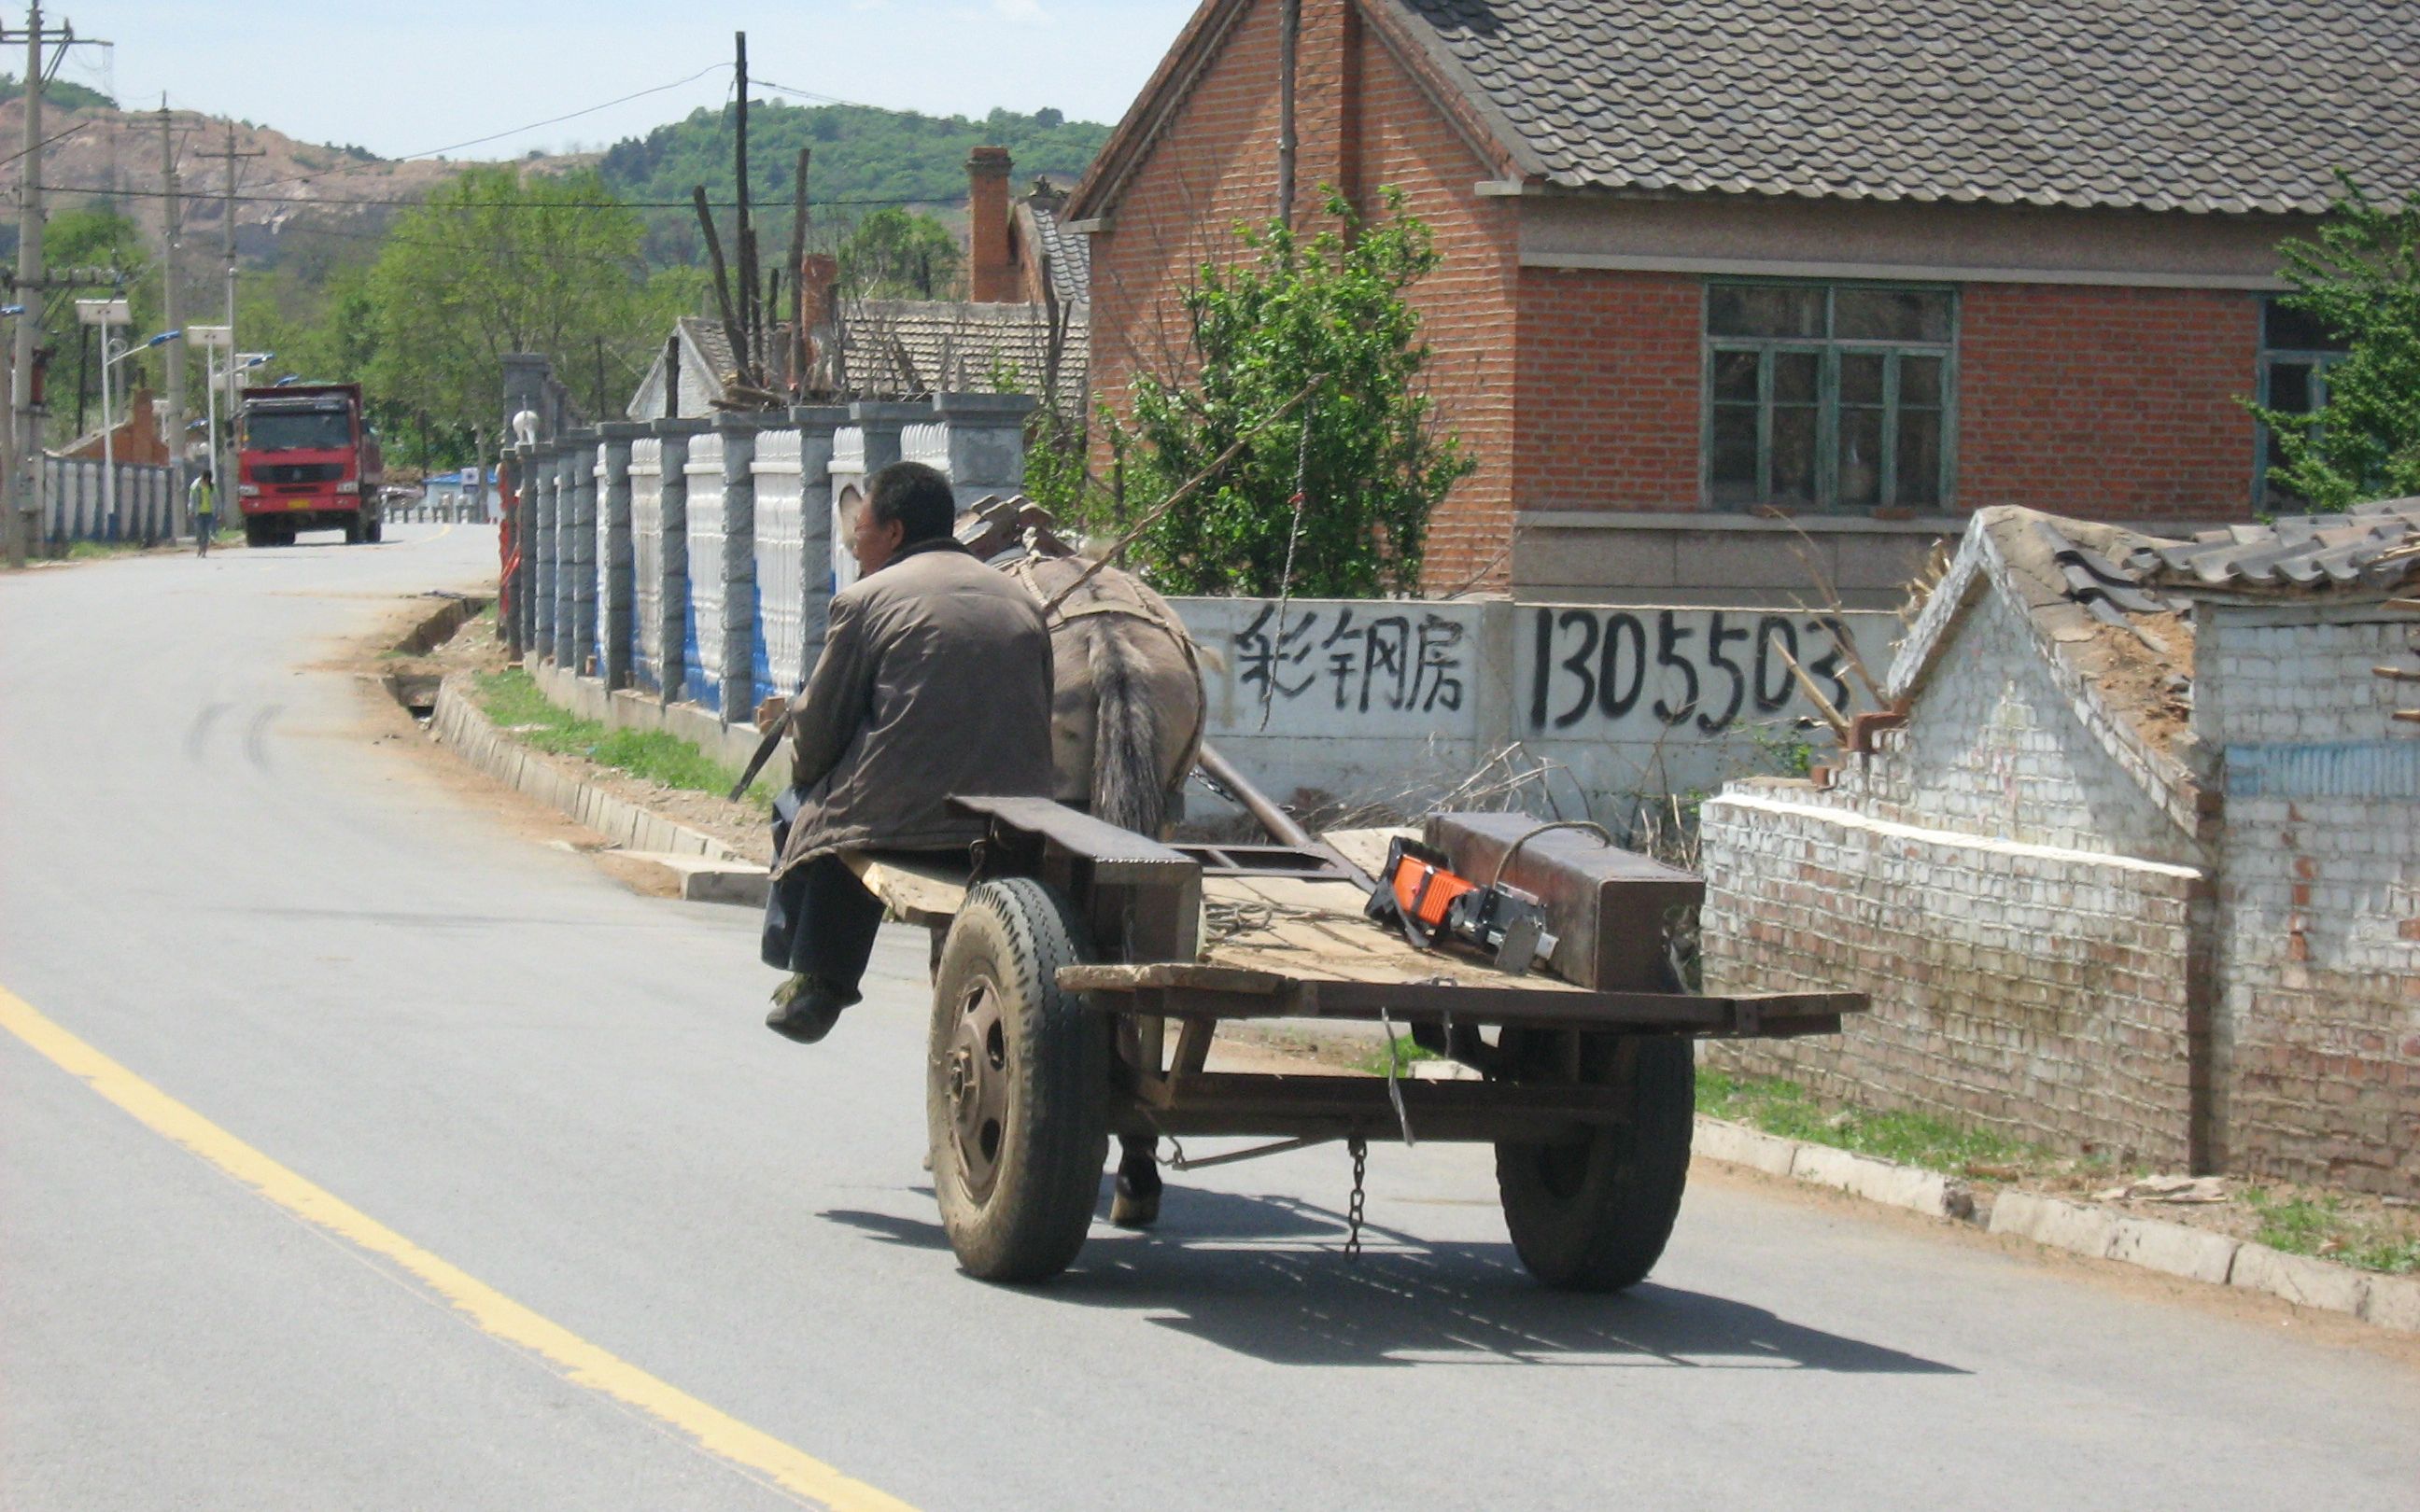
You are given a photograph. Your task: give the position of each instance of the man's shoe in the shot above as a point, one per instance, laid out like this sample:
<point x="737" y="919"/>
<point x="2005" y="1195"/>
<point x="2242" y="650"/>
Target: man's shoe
<point x="805" y="1009"/>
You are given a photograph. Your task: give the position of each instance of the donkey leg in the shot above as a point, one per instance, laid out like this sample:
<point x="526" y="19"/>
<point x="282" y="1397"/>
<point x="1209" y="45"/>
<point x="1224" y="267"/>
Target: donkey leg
<point x="1137" y="1203"/>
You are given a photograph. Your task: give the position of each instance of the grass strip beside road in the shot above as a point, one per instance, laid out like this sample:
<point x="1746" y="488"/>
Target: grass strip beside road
<point x="2322" y="1227"/>
<point x="514" y="701"/>
<point x="1786" y="1110"/>
<point x="2318" y="1226"/>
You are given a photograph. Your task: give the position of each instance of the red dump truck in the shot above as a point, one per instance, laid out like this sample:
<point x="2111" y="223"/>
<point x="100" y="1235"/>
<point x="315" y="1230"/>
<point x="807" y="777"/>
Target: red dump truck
<point x="307" y="460"/>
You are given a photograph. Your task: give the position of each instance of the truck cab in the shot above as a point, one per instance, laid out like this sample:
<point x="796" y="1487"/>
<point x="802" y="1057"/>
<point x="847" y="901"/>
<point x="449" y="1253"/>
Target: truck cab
<point x="307" y="460"/>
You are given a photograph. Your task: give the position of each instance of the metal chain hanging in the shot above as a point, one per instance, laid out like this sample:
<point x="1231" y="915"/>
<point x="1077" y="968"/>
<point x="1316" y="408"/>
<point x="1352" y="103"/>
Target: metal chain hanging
<point x="1359" y="1151"/>
<point x="1293" y="538"/>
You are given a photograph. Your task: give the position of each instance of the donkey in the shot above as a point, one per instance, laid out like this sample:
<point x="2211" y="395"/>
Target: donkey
<point x="1126" y="726"/>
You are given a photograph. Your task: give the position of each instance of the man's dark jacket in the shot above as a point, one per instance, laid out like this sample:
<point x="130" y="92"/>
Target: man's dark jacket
<point x="934" y="680"/>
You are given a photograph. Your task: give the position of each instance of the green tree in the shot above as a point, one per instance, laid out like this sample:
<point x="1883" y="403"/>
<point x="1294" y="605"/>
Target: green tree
<point x="1327" y="313"/>
<point x="2361" y="279"/>
<point x="900" y="254"/>
<point x="95" y="239"/>
<point x="499" y="262"/>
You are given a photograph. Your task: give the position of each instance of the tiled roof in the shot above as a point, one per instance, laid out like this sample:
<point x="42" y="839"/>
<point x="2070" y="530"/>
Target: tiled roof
<point x="2372" y="547"/>
<point x="1068" y="257"/>
<point x="2218" y="105"/>
<point x="907" y="348"/>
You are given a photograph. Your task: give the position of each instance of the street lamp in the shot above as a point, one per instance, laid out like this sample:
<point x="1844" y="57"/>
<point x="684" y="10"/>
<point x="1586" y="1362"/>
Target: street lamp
<point x="108" y="427"/>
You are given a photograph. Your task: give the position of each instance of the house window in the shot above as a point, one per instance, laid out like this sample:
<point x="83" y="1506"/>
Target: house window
<point x="1829" y="396"/>
<point x="2296" y="352"/>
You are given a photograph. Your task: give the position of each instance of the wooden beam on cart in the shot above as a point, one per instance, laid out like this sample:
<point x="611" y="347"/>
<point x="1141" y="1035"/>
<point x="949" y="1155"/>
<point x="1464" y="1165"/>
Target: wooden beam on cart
<point x="1205" y="991"/>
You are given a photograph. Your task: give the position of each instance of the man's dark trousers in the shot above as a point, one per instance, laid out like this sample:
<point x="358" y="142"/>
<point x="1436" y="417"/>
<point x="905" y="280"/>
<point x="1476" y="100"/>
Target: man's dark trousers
<point x="820" y="920"/>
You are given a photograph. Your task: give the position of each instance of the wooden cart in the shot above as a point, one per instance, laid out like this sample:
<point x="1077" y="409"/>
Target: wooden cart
<point x="1086" y="969"/>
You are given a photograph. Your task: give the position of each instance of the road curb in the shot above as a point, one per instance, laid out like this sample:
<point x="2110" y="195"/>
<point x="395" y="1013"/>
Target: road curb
<point x="2090" y="1229"/>
<point x="458" y="723"/>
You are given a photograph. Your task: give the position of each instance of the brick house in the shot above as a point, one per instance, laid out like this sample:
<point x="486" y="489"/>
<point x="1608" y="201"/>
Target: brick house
<point x="1872" y="265"/>
<point x="2135" y="868"/>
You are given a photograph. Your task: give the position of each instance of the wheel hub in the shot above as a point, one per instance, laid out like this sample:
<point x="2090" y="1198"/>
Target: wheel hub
<point x="977" y="1084"/>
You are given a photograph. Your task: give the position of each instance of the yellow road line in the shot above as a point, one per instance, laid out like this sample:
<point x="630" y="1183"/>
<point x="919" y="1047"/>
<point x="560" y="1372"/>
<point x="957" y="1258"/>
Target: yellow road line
<point x="496" y="1313"/>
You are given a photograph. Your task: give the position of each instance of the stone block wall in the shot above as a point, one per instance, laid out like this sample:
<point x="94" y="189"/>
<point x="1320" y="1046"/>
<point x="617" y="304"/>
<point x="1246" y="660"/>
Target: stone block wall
<point x="2032" y="990"/>
<point x="2318" y="1021"/>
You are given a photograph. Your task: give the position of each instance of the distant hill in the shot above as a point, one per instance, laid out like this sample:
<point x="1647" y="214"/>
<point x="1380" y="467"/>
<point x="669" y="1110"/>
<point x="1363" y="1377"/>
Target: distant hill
<point x="296" y="194"/>
<point x="58" y="92"/>
<point x="860" y="154"/>
<point x="102" y="155"/>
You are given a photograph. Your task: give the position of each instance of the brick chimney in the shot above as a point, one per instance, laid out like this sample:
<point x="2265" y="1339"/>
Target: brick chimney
<point x="818" y="308"/>
<point x="990" y="280"/>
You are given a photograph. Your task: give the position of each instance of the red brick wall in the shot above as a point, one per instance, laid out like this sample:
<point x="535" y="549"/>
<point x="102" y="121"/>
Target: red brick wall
<point x="1216" y="164"/>
<point x="1467" y="309"/>
<point x="2113" y="402"/>
<point x="1608" y="401"/>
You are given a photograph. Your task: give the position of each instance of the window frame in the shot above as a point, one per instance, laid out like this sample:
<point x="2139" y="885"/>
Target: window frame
<point x="1828" y="351"/>
<point x="2319" y="360"/>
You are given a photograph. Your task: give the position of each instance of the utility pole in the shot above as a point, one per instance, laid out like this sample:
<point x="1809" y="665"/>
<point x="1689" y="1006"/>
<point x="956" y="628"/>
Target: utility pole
<point x="223" y="462"/>
<point x="21" y="502"/>
<point x="744" y="241"/>
<point x="174" y="361"/>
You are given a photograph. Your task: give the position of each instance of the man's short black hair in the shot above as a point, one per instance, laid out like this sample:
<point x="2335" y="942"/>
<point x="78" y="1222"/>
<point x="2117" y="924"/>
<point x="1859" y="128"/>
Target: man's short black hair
<point x="917" y="497"/>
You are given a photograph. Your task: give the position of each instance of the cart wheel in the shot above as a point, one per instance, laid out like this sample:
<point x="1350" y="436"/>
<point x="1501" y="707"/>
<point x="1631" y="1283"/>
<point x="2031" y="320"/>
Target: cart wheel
<point x="1016" y="1087"/>
<point x="1592" y="1215"/>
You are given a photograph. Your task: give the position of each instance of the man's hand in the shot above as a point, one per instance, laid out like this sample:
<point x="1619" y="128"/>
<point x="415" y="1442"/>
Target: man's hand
<point x="771" y="713"/>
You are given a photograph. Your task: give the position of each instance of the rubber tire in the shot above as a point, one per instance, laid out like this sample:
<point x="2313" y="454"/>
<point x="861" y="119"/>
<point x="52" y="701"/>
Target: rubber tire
<point x="355" y="531"/>
<point x="1594" y="1216"/>
<point x="1056" y="1139"/>
<point x="376" y="531"/>
<point x="255" y="532"/>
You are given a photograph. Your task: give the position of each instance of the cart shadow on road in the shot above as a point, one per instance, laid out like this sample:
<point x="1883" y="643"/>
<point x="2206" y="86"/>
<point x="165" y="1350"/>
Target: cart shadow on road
<point x="1267" y="1277"/>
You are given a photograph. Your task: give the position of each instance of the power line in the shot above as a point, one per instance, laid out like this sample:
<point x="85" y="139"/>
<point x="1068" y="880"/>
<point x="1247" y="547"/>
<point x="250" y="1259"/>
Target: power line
<point x="484" y="205"/>
<point x="43" y="143"/>
<point x="476" y="141"/>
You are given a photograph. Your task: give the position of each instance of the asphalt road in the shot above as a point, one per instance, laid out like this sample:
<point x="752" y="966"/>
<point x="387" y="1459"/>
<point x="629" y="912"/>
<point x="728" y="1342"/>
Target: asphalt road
<point x="214" y="875"/>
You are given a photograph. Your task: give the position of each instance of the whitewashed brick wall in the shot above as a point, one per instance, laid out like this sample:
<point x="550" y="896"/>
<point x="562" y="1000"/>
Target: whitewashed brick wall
<point x="2318" y="1021"/>
<point x="2033" y="990"/>
<point x="1996" y="748"/>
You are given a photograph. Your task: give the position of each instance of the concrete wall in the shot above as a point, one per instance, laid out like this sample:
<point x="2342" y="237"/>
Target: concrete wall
<point x="77" y="504"/>
<point x="1365" y="701"/>
<point x="1376" y="701"/>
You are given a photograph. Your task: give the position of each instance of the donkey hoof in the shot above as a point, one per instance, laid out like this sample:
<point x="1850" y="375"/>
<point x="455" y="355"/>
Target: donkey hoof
<point x="1137" y="1203"/>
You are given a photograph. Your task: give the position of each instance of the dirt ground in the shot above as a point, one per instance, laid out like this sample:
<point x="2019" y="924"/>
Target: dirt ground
<point x="476" y="650"/>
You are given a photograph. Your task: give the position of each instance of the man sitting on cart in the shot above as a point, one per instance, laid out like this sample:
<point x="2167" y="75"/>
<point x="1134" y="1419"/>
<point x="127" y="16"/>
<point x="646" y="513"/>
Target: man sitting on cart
<point x="934" y="680"/>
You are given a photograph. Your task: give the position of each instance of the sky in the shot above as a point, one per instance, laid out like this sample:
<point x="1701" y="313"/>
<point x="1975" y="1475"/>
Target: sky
<point x="408" y="77"/>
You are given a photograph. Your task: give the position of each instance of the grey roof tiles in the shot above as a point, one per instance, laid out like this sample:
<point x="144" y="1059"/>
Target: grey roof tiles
<point x="2210" y="105"/>
<point x="2374" y="545"/>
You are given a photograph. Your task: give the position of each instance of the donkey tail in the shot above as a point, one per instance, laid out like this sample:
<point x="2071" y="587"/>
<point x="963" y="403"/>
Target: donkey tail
<point x="1126" y="787"/>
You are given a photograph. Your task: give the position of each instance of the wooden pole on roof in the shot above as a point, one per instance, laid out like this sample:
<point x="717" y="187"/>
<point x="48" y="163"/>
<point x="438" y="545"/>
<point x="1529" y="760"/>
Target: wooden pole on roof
<point x="798" y="353"/>
<point x="744" y="231"/>
<point x="1289" y="47"/>
<point x="721" y="276"/>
